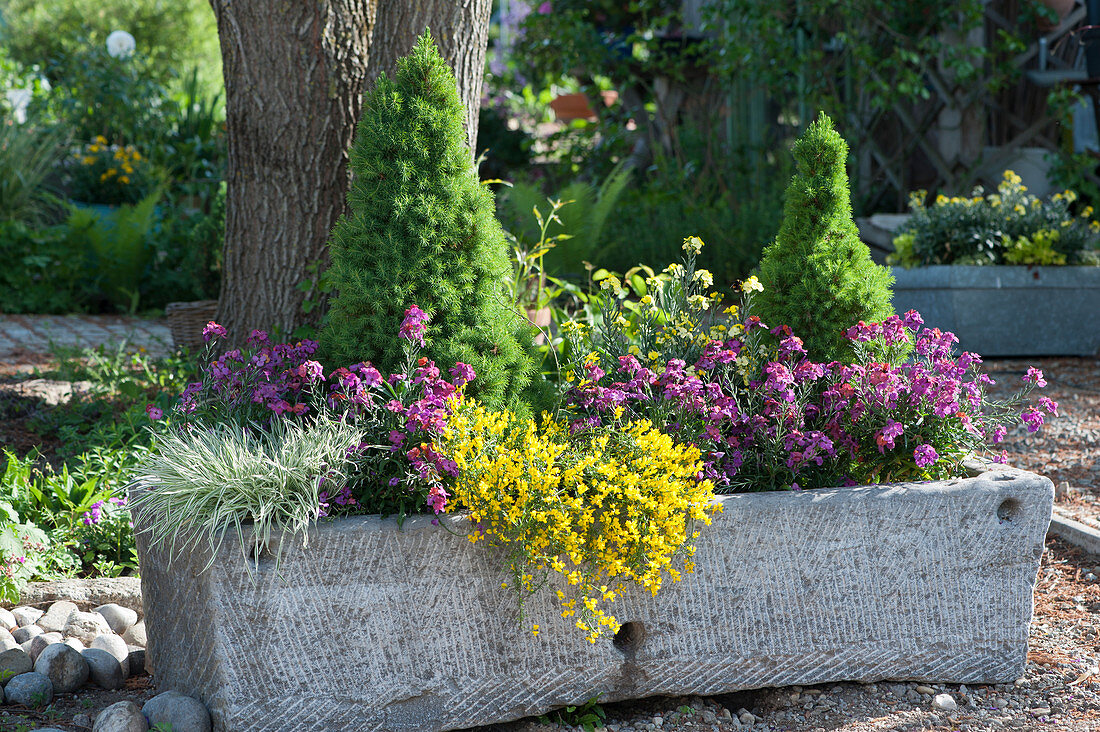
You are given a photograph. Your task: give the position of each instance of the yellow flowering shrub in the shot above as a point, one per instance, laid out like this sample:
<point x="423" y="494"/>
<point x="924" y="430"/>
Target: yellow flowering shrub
<point x="600" y="509"/>
<point x="109" y="174"/>
<point x="1008" y="226"/>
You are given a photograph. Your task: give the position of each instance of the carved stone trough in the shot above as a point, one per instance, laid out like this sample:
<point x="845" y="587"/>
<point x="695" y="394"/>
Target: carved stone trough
<point x="376" y="627"/>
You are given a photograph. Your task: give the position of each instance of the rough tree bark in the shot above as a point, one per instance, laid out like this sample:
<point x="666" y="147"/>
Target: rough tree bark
<point x="460" y="29"/>
<point x="294" y="77"/>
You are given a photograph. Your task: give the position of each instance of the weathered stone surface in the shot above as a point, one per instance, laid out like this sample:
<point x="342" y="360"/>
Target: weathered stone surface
<point x="985" y="305"/>
<point x="64" y="666"/>
<point x="25" y="633"/>
<point x="135" y="635"/>
<point x="7" y="620"/>
<point x="114" y="645"/>
<point x="123" y="716"/>
<point x="57" y="616"/>
<point x="40" y="641"/>
<point x="136" y="660"/>
<point x="926" y="582"/>
<point x="184" y="713"/>
<point x="86" y="626"/>
<point x="30" y="689"/>
<point x="86" y="593"/>
<point x="25" y="615"/>
<point x="118" y="617"/>
<point x="14" y="662"/>
<point x="104" y="670"/>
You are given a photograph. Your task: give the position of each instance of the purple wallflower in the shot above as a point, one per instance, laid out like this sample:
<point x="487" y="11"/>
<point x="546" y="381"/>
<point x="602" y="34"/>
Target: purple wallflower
<point x="1048" y="404"/>
<point x="311" y="370"/>
<point x="886" y="436"/>
<point x="154" y="412"/>
<point x="1033" y="418"/>
<point x="925" y="455"/>
<point x="213" y="330"/>
<point x="462" y="373"/>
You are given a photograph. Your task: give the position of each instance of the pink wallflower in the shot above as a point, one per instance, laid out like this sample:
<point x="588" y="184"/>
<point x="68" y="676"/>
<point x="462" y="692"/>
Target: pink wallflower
<point x="1048" y="404"/>
<point x="925" y="455"/>
<point x="311" y="370"/>
<point x="1035" y="376"/>
<point x="999" y="433"/>
<point x="437" y="498"/>
<point x="154" y="412"/>
<point x="545" y="8"/>
<point x="213" y="330"/>
<point x="414" y="326"/>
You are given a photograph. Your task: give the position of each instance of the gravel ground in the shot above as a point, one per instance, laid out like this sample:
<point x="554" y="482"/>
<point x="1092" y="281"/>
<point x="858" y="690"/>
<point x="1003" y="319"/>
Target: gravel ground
<point x="1060" y="688"/>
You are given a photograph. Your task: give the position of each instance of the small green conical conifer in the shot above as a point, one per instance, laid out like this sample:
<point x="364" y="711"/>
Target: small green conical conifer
<point x="818" y="276"/>
<point x="420" y="229"/>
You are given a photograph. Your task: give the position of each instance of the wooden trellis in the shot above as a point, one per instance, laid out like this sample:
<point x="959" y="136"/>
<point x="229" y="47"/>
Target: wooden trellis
<point x="960" y="136"/>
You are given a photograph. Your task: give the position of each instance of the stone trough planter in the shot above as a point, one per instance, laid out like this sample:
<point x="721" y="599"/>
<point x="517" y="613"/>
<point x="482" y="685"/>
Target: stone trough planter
<point x="376" y="627"/>
<point x="1007" y="310"/>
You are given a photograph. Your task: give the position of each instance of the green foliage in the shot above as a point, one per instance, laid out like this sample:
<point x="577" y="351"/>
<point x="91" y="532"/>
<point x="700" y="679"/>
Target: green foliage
<point x="116" y="241"/>
<point x="175" y="35"/>
<point x="1008" y="226"/>
<point x="28" y="155"/>
<point x="186" y="260"/>
<point x="43" y="272"/>
<point x="589" y="716"/>
<point x="420" y="230"/>
<point x="580" y="223"/>
<point x="818" y="276"/>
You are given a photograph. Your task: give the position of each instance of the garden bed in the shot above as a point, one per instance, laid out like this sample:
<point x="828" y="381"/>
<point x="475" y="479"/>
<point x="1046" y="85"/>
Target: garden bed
<point x="927" y="581"/>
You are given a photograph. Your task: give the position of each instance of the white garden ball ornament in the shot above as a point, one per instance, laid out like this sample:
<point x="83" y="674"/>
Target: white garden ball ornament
<point x="120" y="44"/>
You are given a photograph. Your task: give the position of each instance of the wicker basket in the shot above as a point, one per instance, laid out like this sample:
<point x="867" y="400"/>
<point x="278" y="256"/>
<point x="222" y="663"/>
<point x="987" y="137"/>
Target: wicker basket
<point x="187" y="319"/>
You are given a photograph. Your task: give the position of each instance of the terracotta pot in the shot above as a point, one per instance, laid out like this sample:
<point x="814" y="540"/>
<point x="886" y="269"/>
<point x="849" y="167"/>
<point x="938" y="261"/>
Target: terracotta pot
<point x="572" y="106"/>
<point x="541" y="318"/>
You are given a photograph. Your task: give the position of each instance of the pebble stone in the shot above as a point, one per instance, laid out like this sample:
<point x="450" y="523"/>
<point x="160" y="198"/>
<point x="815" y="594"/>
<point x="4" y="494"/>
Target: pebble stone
<point x="7" y="641"/>
<point x="136" y="660"/>
<point x="135" y="635"/>
<point x="114" y="645"/>
<point x="944" y="703"/>
<point x="25" y="615"/>
<point x="57" y="616"/>
<point x="118" y="617"/>
<point x="104" y="670"/>
<point x="7" y="620"/>
<point x="14" y="662"/>
<point x="123" y="716"/>
<point x="86" y="626"/>
<point x="64" y="666"/>
<point x="74" y="643"/>
<point x="184" y="713"/>
<point x="31" y="689"/>
<point x="24" y="633"/>
<point x="40" y="641"/>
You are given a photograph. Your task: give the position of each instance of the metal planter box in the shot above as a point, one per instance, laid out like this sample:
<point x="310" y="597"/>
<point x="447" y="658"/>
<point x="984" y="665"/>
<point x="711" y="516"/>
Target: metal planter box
<point x="376" y="627"/>
<point x="1007" y="310"/>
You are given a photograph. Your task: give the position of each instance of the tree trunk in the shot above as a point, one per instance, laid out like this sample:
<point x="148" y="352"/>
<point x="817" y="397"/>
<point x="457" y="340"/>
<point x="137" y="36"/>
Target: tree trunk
<point x="294" y="77"/>
<point x="460" y="29"/>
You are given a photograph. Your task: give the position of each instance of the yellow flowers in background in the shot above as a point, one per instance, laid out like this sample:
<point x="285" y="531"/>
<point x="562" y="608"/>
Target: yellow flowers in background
<point x="109" y="174"/>
<point x="598" y="510"/>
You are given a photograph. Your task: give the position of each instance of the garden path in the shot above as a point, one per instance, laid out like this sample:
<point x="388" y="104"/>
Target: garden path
<point x="29" y="339"/>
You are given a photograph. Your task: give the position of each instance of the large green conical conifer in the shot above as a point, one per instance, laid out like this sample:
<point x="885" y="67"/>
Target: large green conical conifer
<point x="818" y="276"/>
<point x="420" y="229"/>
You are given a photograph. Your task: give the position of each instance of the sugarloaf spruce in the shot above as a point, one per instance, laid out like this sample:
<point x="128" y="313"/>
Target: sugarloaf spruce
<point x="420" y="229"/>
<point x="818" y="276"/>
